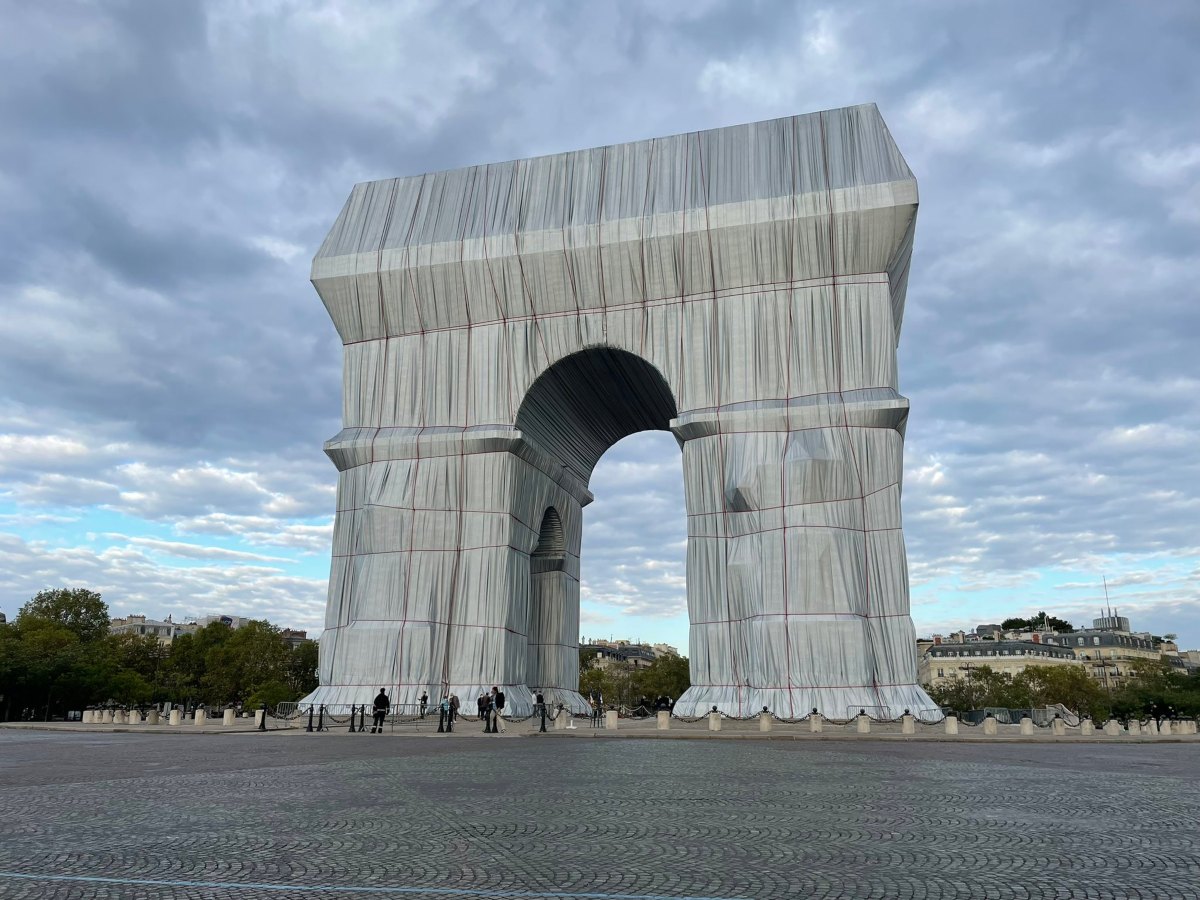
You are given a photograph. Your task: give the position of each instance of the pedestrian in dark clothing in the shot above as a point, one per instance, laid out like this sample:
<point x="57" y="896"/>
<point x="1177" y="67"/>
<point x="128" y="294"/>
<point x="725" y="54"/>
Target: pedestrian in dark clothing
<point x="485" y="712"/>
<point x="454" y="707"/>
<point x="498" y="710"/>
<point x="381" y="707"/>
<point x="424" y="703"/>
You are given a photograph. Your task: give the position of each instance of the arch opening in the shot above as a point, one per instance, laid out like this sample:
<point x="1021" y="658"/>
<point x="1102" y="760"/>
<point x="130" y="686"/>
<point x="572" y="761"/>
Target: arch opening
<point x="586" y="402"/>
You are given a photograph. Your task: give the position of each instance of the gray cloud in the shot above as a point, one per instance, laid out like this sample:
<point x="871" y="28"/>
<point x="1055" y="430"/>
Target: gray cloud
<point x="167" y="172"/>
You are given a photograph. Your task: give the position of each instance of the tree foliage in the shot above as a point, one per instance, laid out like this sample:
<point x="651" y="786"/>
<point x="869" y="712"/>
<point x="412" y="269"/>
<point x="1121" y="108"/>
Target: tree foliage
<point x="1041" y="620"/>
<point x="78" y="610"/>
<point x="1155" y="689"/>
<point x="58" y="655"/>
<point x="623" y="685"/>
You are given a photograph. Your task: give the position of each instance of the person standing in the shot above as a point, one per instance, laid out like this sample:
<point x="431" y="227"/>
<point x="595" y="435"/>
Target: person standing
<point x="498" y="710"/>
<point x="485" y="711"/>
<point x="381" y="707"/>
<point x="454" y="707"/>
<point x="424" y="703"/>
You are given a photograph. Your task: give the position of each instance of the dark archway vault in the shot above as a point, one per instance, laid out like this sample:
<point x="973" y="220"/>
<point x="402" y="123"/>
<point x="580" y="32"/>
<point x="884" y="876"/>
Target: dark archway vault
<point x="586" y="402"/>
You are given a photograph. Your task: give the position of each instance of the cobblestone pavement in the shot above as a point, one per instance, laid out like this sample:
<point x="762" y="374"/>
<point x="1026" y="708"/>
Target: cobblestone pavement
<point x="247" y="816"/>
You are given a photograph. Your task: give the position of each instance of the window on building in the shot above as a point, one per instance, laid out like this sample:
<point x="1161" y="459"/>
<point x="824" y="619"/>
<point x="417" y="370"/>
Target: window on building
<point x="941" y="674"/>
<point x="1096" y="641"/>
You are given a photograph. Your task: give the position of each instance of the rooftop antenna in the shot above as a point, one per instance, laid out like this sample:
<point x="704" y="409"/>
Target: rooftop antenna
<point x="1107" y="607"/>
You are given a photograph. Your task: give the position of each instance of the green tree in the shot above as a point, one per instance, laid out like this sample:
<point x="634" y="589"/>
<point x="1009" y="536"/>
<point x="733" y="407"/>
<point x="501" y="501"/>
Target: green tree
<point x="78" y="610"/>
<point x="1068" y="685"/>
<point x="251" y="657"/>
<point x="1158" y="690"/>
<point x="270" y="695"/>
<point x="667" y="676"/>
<point x="302" y="669"/>
<point x="981" y="687"/>
<point x="188" y="662"/>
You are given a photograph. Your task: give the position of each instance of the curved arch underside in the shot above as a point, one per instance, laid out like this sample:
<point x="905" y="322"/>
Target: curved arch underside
<point x="585" y="403"/>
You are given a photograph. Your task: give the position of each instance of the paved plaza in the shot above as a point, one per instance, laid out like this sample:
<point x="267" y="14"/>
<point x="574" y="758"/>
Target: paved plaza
<point x="245" y="816"/>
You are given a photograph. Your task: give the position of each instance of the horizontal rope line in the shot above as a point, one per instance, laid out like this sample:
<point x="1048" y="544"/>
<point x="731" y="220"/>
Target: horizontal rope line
<point x="768" y="287"/>
<point x="792" y="615"/>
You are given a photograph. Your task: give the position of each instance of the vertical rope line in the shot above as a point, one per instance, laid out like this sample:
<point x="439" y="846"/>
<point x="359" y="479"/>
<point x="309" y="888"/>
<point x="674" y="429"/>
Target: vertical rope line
<point x="421" y="398"/>
<point x="715" y="357"/>
<point x="462" y="435"/>
<point x="840" y="352"/>
<point x="381" y="383"/>
<point x="642" y="248"/>
<point x="600" y="240"/>
<point x="793" y="164"/>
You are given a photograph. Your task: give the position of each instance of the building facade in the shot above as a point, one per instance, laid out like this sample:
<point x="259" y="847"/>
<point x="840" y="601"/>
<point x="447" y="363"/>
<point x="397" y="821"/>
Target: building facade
<point x="165" y="631"/>
<point x="945" y="662"/>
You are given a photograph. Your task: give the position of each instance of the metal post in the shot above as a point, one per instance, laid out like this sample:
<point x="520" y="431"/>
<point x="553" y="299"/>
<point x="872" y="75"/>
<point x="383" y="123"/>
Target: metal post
<point x="362" y="718"/>
<point x="262" y="723"/>
<point x="450" y="722"/>
<point x="353" y="710"/>
<point x="310" y="715"/>
<point x="543" y="728"/>
<point x="487" y="722"/>
<point x="321" y="718"/>
<point x="441" y="721"/>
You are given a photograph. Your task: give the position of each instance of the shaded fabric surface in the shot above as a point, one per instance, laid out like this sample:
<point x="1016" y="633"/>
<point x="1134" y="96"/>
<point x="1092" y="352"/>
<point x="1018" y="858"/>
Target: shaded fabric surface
<point x="505" y="324"/>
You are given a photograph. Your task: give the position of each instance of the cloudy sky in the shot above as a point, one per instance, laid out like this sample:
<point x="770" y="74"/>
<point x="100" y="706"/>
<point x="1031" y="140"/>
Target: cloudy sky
<point x="167" y="374"/>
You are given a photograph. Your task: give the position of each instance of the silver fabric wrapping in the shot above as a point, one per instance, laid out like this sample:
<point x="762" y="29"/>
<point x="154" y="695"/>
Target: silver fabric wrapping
<point x="505" y="324"/>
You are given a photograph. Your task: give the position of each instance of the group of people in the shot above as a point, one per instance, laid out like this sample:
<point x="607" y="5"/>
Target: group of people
<point x="490" y="707"/>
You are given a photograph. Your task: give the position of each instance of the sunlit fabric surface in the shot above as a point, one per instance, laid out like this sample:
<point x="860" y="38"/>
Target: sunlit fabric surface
<point x="505" y="324"/>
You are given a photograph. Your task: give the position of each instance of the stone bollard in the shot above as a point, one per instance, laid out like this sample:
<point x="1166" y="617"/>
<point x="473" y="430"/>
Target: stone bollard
<point x="1112" y="728"/>
<point x="862" y="723"/>
<point x="764" y="721"/>
<point x="107" y="717"/>
<point x="815" y="722"/>
<point x="1087" y="728"/>
<point x="1058" y="727"/>
<point x="176" y="717"/>
<point x="951" y="724"/>
<point x="118" y="717"/>
<point x="229" y="717"/>
<point x="610" y="720"/>
<point x="1151" y="728"/>
<point x="907" y="724"/>
<point x="133" y="717"/>
<point x="259" y="716"/>
<point x="989" y="725"/>
<point x="663" y="720"/>
<point x="1135" y="727"/>
<point x="199" y="717"/>
<point x="561" y="720"/>
<point x="1026" y="725"/>
<point x="714" y="721"/>
<point x="152" y="717"/>
<point x="87" y="717"/>
<point x="1165" y="728"/>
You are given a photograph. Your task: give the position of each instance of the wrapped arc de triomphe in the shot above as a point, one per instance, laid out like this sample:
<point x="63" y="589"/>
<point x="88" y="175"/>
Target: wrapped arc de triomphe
<point x="505" y="324"/>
